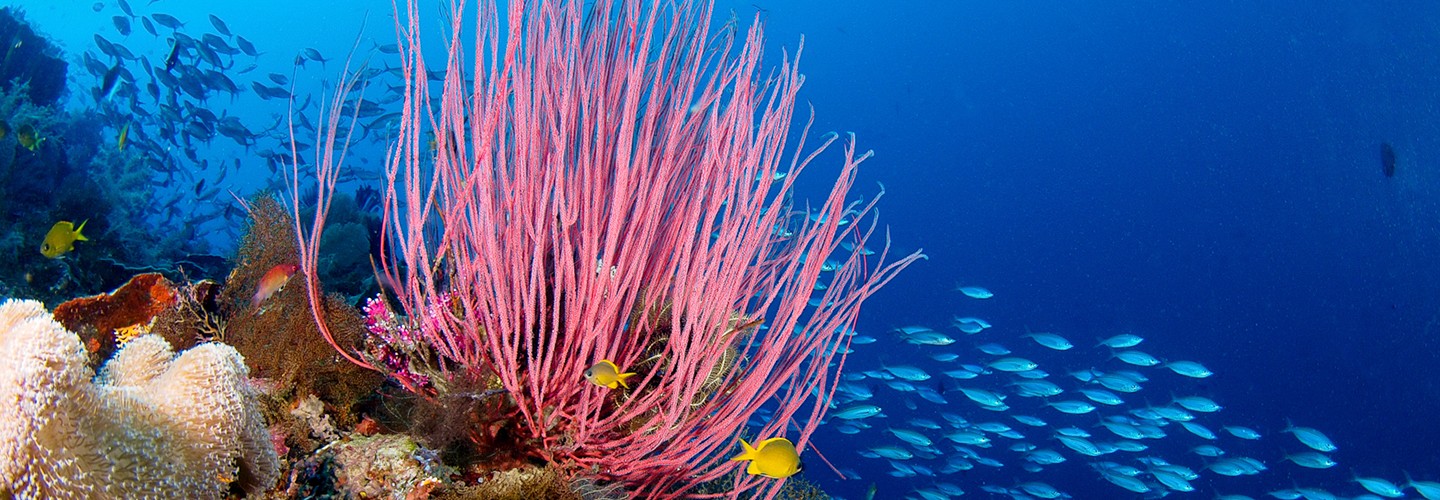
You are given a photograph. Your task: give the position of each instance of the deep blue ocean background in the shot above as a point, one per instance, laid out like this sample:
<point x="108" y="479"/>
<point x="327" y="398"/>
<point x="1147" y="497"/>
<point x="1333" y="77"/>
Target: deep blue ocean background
<point x="1205" y="174"/>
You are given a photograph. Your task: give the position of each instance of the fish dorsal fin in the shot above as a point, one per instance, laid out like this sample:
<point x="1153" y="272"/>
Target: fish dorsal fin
<point x="747" y="453"/>
<point x="767" y="442"/>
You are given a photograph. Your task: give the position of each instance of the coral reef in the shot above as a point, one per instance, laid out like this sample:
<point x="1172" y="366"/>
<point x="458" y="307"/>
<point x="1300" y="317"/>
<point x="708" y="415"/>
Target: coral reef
<point x="72" y="171"/>
<point x="150" y="425"/>
<point x="522" y="484"/>
<point x="312" y="412"/>
<point x="97" y="318"/>
<point x="31" y="59"/>
<point x="279" y="337"/>
<point x="385" y="466"/>
<point x="194" y="317"/>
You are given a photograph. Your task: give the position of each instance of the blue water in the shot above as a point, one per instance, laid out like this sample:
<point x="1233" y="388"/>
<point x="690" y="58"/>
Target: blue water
<point x="1203" y="174"/>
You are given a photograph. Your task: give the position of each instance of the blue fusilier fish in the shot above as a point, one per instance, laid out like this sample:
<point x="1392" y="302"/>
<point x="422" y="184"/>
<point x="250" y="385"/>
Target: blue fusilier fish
<point x="1137" y="358"/>
<point x="1311" y="459"/>
<point x="911" y="437"/>
<point x="1189" y="369"/>
<point x="1387" y="162"/>
<point x="1197" y="403"/>
<point x="1072" y="407"/>
<point x="1428" y="489"/>
<point x="1013" y="365"/>
<point x="1315" y="439"/>
<point x="1379" y="486"/>
<point x="1242" y="432"/>
<point x="975" y="292"/>
<point x="1051" y="341"/>
<point x="856" y="412"/>
<point x="1122" y="341"/>
<point x="910" y="373"/>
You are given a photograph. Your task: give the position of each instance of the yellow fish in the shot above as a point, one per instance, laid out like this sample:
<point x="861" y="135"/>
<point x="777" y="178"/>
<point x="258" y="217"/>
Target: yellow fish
<point x="124" y="132"/>
<point x="606" y="374"/>
<point x="61" y="238"/>
<point x="28" y="137"/>
<point x="774" y="458"/>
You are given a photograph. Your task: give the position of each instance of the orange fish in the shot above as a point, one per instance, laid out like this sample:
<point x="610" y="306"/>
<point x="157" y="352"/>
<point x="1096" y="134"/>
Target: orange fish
<point x="272" y="282"/>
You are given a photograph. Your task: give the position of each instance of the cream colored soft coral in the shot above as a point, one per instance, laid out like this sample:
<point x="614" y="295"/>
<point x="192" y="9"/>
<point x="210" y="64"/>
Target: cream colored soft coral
<point x="151" y="425"/>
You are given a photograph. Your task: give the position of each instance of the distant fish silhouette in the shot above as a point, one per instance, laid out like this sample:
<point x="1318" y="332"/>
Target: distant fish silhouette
<point x="1387" y="159"/>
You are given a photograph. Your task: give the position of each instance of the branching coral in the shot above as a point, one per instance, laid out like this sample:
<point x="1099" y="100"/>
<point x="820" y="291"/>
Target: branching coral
<point x="151" y="425"/>
<point x="655" y="238"/>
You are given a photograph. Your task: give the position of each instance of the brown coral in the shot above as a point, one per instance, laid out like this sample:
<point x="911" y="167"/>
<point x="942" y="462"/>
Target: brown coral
<point x="194" y="317"/>
<point x="279" y="337"/>
<point x="96" y="318"/>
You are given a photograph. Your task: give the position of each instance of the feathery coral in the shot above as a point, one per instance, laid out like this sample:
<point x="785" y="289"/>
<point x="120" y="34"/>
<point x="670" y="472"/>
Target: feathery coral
<point x="151" y="425"/>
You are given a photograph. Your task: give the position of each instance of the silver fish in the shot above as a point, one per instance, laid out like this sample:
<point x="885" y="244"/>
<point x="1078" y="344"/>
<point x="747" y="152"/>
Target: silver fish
<point x="1315" y="439"/>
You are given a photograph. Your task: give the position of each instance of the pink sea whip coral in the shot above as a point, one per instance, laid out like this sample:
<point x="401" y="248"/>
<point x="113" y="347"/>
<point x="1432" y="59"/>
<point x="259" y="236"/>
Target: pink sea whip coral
<point x="609" y="182"/>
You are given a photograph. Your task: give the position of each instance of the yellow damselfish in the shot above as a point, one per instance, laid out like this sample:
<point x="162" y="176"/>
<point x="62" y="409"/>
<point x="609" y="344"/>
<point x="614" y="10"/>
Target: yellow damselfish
<point x="606" y="374"/>
<point x="28" y="137"/>
<point x="61" y="238"/>
<point x="774" y="458"/>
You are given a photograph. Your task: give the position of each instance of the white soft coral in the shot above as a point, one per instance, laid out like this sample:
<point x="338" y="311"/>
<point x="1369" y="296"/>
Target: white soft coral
<point x="151" y="425"/>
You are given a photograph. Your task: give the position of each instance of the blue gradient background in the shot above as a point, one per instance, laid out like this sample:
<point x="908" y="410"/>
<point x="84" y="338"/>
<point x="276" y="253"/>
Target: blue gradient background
<point x="1203" y="173"/>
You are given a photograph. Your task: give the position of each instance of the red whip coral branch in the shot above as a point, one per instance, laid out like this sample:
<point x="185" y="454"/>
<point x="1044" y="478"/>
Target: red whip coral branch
<point x="610" y="182"/>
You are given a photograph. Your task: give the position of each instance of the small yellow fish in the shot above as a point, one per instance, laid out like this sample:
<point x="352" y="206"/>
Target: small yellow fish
<point x="28" y="137"/>
<point x="61" y="238"/>
<point x="606" y="374"/>
<point x="124" y="132"/>
<point x="774" y="458"/>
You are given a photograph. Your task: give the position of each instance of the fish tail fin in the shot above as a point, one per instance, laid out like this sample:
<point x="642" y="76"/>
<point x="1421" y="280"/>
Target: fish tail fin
<point x="621" y="379"/>
<point x="749" y="453"/>
<point x="78" y="236"/>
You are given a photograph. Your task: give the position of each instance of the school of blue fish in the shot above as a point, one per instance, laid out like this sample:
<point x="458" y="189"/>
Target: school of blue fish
<point x="978" y="400"/>
<point x="173" y="91"/>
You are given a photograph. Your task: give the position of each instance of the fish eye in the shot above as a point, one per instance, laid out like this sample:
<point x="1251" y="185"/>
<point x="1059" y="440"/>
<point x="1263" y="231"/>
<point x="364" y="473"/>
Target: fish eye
<point x="45" y="247"/>
<point x="589" y="373"/>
